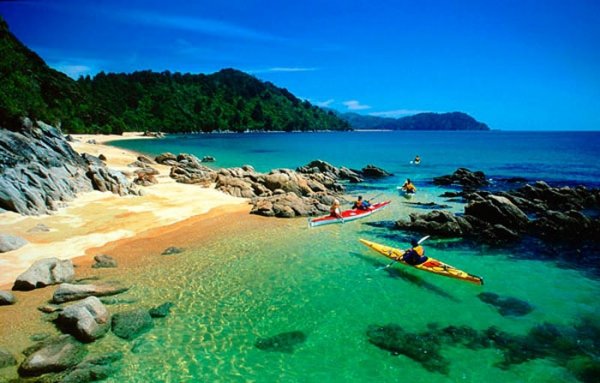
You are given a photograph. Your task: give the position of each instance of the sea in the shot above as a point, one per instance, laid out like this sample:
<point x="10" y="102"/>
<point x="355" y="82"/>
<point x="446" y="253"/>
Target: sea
<point x="283" y="302"/>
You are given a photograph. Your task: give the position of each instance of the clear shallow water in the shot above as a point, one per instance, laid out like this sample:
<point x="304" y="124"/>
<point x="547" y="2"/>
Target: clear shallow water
<point x="263" y="280"/>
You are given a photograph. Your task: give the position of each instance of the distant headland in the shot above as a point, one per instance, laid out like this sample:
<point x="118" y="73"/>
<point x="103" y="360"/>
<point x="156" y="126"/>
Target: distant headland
<point x="420" y="121"/>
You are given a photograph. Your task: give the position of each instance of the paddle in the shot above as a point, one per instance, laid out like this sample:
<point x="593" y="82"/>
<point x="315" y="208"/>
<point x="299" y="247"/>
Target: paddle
<point x="395" y="260"/>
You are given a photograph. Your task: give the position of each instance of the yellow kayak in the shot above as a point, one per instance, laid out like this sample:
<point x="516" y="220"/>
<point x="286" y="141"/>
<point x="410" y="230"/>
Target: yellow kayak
<point x="432" y="265"/>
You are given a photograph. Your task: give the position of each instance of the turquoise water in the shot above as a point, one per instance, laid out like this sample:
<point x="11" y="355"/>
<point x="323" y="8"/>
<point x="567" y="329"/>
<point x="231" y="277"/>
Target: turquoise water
<point x="281" y="276"/>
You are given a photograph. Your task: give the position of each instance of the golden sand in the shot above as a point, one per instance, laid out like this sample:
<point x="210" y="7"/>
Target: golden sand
<point x="95" y="219"/>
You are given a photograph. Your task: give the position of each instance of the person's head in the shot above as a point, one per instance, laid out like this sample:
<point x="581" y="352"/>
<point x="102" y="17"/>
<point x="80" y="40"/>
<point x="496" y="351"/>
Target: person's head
<point x="408" y="180"/>
<point x="414" y="242"/>
<point x="360" y="198"/>
<point x="336" y="202"/>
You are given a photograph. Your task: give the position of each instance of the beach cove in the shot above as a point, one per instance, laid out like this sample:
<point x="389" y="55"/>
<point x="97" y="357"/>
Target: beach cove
<point x="243" y="279"/>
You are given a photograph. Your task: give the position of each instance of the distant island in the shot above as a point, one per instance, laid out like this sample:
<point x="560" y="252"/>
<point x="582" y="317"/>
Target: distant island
<point x="421" y="121"/>
<point x="147" y="101"/>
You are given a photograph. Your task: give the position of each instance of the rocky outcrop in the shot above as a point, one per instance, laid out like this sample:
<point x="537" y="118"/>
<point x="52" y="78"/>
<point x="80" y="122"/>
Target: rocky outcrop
<point x="45" y="272"/>
<point x="6" y="298"/>
<point x="68" y="292"/>
<point x="330" y="174"/>
<point x="289" y="205"/>
<point x="93" y="369"/>
<point x="161" y="311"/>
<point x="131" y="324"/>
<point x="187" y="169"/>
<point x="372" y="171"/>
<point x="463" y="177"/>
<point x="10" y="242"/>
<point x="145" y="176"/>
<point x="39" y="170"/>
<point x="552" y="214"/>
<point x="52" y="355"/>
<point x="86" y="320"/>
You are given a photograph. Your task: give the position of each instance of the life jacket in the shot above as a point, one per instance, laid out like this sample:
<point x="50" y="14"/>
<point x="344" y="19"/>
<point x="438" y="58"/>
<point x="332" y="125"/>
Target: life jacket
<point x="419" y="250"/>
<point x="410" y="188"/>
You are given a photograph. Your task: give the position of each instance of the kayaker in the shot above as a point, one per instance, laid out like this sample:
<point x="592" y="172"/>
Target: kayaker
<point x="408" y="186"/>
<point x="417" y="160"/>
<point x="334" y="210"/>
<point x="415" y="255"/>
<point x="361" y="204"/>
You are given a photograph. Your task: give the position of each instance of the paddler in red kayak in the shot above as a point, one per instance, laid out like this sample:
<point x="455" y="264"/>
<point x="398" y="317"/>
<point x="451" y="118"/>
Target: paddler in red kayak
<point x="415" y="255"/>
<point x="361" y="204"/>
<point x="334" y="210"/>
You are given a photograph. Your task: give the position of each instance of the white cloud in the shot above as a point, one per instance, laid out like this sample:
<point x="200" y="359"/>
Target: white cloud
<point x="397" y="113"/>
<point x="324" y="104"/>
<point x="355" y="105"/>
<point x="195" y="24"/>
<point x="72" y="70"/>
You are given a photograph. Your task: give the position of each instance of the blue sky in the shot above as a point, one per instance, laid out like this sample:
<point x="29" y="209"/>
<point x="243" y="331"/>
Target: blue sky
<point x="515" y="65"/>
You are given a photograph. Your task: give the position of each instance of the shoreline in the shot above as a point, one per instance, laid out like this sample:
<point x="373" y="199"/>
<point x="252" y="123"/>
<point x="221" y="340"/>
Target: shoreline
<point x="95" y="219"/>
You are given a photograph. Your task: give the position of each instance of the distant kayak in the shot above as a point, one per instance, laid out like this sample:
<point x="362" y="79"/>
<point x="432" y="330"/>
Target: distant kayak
<point x="432" y="265"/>
<point x="405" y="193"/>
<point x="348" y="215"/>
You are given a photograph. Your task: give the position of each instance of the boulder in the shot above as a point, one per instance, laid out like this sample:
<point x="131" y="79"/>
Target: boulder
<point x="45" y="272"/>
<point x="372" y="171"/>
<point x="6" y="298"/>
<point x="172" y="250"/>
<point x="131" y="324"/>
<point x="146" y="176"/>
<point x="498" y="210"/>
<point x="104" y="261"/>
<point x="145" y="159"/>
<point x="11" y="242"/>
<point x="52" y="355"/>
<point x="166" y="159"/>
<point x="208" y="159"/>
<point x="68" y="292"/>
<point x="6" y="358"/>
<point x="39" y="228"/>
<point x="288" y="205"/>
<point x="463" y="177"/>
<point x="86" y="320"/>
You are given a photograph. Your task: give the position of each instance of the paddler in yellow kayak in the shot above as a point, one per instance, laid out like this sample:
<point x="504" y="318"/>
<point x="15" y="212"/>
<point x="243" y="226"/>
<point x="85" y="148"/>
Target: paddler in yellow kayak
<point x="415" y="255"/>
<point x="409" y="187"/>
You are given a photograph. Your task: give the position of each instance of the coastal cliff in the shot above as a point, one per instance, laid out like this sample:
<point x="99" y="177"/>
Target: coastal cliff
<point x="39" y="170"/>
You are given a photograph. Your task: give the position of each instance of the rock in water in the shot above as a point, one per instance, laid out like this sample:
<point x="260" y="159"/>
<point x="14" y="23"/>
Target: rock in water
<point x="172" y="250"/>
<point x="161" y="311"/>
<point x="103" y="261"/>
<point x="284" y="342"/>
<point x="6" y="358"/>
<point x="52" y="355"/>
<point x="131" y="324"/>
<point x="10" y="242"/>
<point x="68" y="292"/>
<point x="45" y="272"/>
<point x="86" y="320"/>
<point x="507" y="306"/>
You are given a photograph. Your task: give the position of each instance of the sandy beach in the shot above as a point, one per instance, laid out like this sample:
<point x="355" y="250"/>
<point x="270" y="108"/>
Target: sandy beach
<point x="95" y="219"/>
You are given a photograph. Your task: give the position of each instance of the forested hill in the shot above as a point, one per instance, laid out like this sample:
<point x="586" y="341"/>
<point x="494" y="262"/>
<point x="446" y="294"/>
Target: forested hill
<point x="140" y="101"/>
<point x="421" y="121"/>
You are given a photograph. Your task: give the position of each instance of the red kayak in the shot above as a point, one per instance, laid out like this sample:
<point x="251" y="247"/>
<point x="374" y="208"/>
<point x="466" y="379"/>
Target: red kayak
<point x="348" y="215"/>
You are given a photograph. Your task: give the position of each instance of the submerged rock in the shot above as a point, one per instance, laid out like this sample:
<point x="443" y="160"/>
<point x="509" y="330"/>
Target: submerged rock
<point x="422" y="348"/>
<point x="45" y="272"/>
<point x="6" y="358"/>
<point x="283" y="342"/>
<point x="68" y="292"/>
<point x="173" y="250"/>
<point x="507" y="306"/>
<point x="131" y="324"/>
<point x="104" y="261"/>
<point x="52" y="355"/>
<point x="93" y="369"/>
<point x="161" y="311"/>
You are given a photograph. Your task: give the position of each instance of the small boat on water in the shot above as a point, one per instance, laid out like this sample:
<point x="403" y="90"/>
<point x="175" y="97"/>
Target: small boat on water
<point x="431" y="265"/>
<point x="348" y="215"/>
